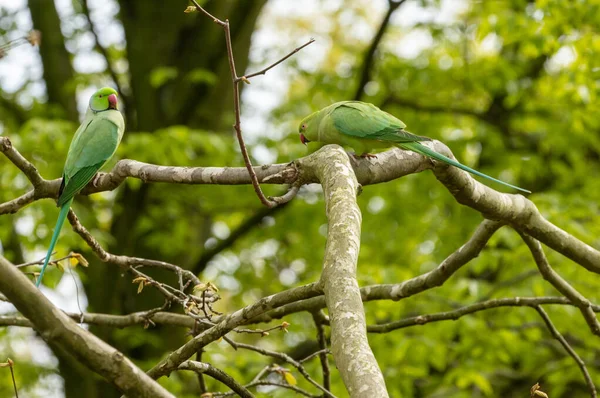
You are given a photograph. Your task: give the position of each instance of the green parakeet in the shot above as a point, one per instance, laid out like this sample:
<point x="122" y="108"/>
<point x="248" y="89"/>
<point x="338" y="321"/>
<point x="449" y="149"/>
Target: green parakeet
<point x="364" y="126"/>
<point x="93" y="144"/>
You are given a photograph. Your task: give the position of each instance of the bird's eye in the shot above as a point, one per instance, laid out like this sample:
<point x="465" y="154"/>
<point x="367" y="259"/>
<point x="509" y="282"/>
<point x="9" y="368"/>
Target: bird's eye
<point x="100" y="96"/>
<point x="304" y="127"/>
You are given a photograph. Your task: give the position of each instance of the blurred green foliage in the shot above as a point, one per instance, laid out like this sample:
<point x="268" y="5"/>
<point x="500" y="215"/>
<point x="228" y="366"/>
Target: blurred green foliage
<point x="510" y="86"/>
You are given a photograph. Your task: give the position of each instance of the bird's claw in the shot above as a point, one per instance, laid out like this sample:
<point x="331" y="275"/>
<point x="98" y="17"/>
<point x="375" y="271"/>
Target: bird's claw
<point x="95" y="180"/>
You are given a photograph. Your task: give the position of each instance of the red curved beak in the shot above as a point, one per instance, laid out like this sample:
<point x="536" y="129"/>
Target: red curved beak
<point x="112" y="101"/>
<point x="303" y="139"/>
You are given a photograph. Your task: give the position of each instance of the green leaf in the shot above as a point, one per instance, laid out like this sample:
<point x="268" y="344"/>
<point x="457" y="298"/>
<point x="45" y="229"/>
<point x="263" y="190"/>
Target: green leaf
<point x="161" y="75"/>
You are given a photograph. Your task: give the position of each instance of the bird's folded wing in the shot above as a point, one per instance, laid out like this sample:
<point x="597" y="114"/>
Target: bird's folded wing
<point x="360" y="120"/>
<point x="94" y="146"/>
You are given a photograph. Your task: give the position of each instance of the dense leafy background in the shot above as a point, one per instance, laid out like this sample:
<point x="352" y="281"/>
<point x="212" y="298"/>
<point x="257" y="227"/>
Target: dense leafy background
<point x="510" y="86"/>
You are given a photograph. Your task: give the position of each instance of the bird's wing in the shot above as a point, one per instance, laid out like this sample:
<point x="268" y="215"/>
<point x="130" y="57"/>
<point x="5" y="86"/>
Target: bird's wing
<point x="361" y="120"/>
<point x="91" y="148"/>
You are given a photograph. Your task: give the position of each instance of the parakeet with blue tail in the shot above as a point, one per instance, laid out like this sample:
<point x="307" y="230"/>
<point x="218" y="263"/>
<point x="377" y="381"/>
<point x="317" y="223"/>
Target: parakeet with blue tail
<point x="364" y="126"/>
<point x="93" y="144"/>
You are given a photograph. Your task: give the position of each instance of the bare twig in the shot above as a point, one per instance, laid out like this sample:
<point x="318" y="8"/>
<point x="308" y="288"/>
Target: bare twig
<point x="263" y="332"/>
<point x="319" y="319"/>
<point x="289" y="195"/>
<point x="201" y="381"/>
<point x="286" y="358"/>
<point x="143" y="318"/>
<point x="217" y="374"/>
<point x="124" y="261"/>
<point x="265" y="70"/>
<point x="33" y="38"/>
<point x="324" y="351"/>
<point x="151" y="317"/>
<point x="10" y="364"/>
<point x="270" y="383"/>
<point x="569" y="349"/>
<point x="235" y="79"/>
<point x="52" y="262"/>
<point x="418" y="284"/>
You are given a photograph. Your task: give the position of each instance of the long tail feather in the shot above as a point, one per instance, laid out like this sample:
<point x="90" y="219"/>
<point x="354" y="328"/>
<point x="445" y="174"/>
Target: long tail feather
<point x="423" y="150"/>
<point x="64" y="210"/>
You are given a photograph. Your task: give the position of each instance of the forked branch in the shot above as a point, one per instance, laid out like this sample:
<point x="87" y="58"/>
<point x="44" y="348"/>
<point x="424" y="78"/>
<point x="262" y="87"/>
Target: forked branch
<point x="236" y="80"/>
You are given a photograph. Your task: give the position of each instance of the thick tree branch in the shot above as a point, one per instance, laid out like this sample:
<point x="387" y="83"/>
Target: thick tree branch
<point x="58" y="329"/>
<point x="228" y="323"/>
<point x="398" y="291"/>
<point x="349" y="344"/>
<point x="143" y="318"/>
<point x="515" y="210"/>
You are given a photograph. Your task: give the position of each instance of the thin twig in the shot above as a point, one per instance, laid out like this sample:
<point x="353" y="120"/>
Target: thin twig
<point x="124" y="261"/>
<point x="41" y="261"/>
<point x="319" y="318"/>
<point x="235" y="79"/>
<point x="470" y="309"/>
<point x="263" y="332"/>
<point x="270" y="383"/>
<point x="285" y="198"/>
<point x="285" y="358"/>
<point x="201" y="381"/>
<point x="265" y="70"/>
<point x="11" y="364"/>
<point x="315" y="354"/>
<point x="568" y="348"/>
<point x="217" y="374"/>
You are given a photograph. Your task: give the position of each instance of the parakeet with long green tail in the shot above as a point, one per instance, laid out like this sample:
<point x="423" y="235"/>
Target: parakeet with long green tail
<point x="364" y="126"/>
<point x="93" y="144"/>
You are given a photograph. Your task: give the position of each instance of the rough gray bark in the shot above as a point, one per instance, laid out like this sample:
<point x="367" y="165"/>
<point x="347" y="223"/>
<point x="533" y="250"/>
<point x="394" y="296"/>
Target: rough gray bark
<point x="349" y="344"/>
<point x="340" y="176"/>
<point x="58" y="329"/>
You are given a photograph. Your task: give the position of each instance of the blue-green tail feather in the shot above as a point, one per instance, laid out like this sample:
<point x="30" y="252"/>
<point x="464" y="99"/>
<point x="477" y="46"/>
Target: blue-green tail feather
<point x="423" y="150"/>
<point x="64" y="210"/>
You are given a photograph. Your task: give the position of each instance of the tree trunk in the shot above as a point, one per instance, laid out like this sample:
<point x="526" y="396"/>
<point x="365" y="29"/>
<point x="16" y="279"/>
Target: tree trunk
<point x="58" y="71"/>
